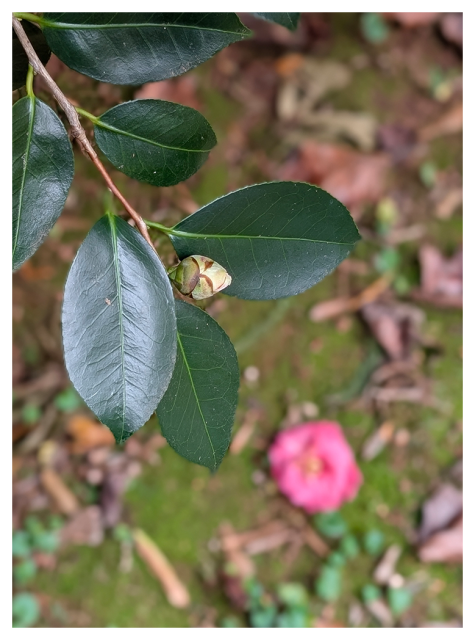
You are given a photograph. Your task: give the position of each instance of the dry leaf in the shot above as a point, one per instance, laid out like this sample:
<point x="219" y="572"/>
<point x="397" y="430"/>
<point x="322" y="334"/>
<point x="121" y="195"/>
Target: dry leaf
<point x="182" y="90"/>
<point x="439" y="510"/>
<point x="386" y="567"/>
<point x="62" y="496"/>
<point x="84" y="528"/>
<point x="381" y="612"/>
<point x="451" y="122"/>
<point x="441" y="278"/>
<point x="87" y="434"/>
<point x="451" y="201"/>
<point x="175" y="591"/>
<point x="395" y="326"/>
<point x="444" y="546"/>
<point x="413" y="19"/>
<point x="354" y="178"/>
<point x="337" y="306"/>
<point x="451" y="26"/>
<point x="377" y="441"/>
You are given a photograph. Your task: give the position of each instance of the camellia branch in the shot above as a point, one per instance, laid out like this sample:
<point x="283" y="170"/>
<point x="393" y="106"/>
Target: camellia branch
<point x="77" y="130"/>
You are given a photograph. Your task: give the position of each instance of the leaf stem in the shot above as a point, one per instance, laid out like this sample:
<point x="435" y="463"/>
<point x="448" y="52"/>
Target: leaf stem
<point x="77" y="131"/>
<point x="31" y="17"/>
<point x="86" y="114"/>
<point x="157" y="225"/>
<point x="29" y="82"/>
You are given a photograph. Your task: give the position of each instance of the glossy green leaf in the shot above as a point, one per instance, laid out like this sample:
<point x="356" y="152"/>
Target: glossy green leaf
<point x="43" y="167"/>
<point x="20" y="59"/>
<point x="288" y="20"/>
<point x="155" y="141"/>
<point x="275" y="239"/>
<point x="119" y="328"/>
<point x="196" y="413"/>
<point x="133" y="48"/>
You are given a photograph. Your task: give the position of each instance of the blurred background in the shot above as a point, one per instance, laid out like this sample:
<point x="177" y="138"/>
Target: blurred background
<point x="369" y="107"/>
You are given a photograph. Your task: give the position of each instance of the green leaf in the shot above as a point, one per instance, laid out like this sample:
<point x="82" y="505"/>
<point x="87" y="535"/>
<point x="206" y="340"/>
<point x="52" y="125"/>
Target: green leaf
<point x="20" y="59"/>
<point x="155" y="141"/>
<point x="263" y="617"/>
<point x="275" y="239"/>
<point x="25" y="609"/>
<point x="288" y="20"/>
<point x="292" y="594"/>
<point x="331" y="524"/>
<point x="119" y="329"/>
<point x="47" y="541"/>
<point x="24" y="572"/>
<point x="399" y="600"/>
<point x="328" y="584"/>
<point x="370" y="592"/>
<point x="373" y="542"/>
<point x="292" y="619"/>
<point x="21" y="547"/>
<point x="43" y="167"/>
<point x="196" y="413"/>
<point x="30" y="413"/>
<point x="133" y="48"/>
<point x="349" y="546"/>
<point x="68" y="400"/>
<point x="336" y="559"/>
<point x="374" y="28"/>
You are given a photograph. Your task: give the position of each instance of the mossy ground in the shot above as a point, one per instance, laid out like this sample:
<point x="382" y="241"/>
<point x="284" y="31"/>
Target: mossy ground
<point x="180" y="505"/>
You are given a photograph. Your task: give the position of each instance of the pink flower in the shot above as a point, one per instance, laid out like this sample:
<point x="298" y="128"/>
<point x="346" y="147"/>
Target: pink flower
<point x="314" y="466"/>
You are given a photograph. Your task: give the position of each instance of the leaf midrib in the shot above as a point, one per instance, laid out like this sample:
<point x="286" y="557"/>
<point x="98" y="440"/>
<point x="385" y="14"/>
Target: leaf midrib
<point x="140" y="25"/>
<point x="25" y="165"/>
<point x="121" y="326"/>
<point x="206" y="236"/>
<point x="196" y="395"/>
<point x="104" y="125"/>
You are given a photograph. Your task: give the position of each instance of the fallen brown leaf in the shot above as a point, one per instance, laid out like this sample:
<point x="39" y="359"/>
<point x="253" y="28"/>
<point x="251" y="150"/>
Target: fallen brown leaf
<point x="451" y="26"/>
<point x="452" y="200"/>
<point x="413" y="19"/>
<point x="245" y="431"/>
<point x="182" y="90"/>
<point x="451" y="122"/>
<point x="337" y="306"/>
<point x="87" y="434"/>
<point x="441" y="278"/>
<point x="31" y="273"/>
<point x="377" y="441"/>
<point x="175" y="591"/>
<point x="387" y="565"/>
<point x="231" y="543"/>
<point x="85" y="527"/>
<point x="62" y="496"/>
<point x="313" y="540"/>
<point x="380" y="610"/>
<point x="395" y="326"/>
<point x="444" y="546"/>
<point x="354" y="178"/>
<point x="439" y="510"/>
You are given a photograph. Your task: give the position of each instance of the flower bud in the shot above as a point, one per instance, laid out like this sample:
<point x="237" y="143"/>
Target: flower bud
<point x="199" y="277"/>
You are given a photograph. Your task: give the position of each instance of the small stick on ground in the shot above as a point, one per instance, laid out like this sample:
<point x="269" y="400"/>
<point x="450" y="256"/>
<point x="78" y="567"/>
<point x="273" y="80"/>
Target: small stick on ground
<point x="176" y="592"/>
